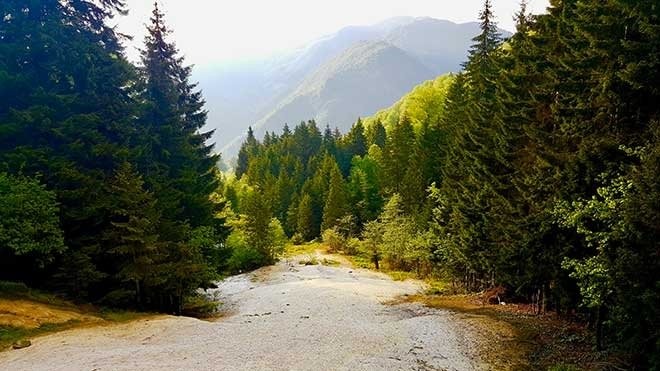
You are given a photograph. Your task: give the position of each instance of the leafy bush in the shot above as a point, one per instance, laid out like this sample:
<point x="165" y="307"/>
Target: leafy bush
<point x="199" y="306"/>
<point x="29" y="221"/>
<point x="243" y="257"/>
<point x="246" y="256"/>
<point x="334" y="240"/>
<point x="297" y="239"/>
<point x="352" y="246"/>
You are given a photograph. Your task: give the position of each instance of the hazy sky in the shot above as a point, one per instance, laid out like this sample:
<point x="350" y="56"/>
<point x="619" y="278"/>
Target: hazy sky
<point x="211" y="31"/>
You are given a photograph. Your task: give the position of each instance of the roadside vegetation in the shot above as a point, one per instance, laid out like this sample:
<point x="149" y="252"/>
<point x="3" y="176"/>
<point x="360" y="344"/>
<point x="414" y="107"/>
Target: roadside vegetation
<point x="27" y="313"/>
<point x="533" y="170"/>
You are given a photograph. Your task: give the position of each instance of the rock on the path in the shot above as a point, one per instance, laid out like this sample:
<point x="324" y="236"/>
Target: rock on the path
<point x="21" y="344"/>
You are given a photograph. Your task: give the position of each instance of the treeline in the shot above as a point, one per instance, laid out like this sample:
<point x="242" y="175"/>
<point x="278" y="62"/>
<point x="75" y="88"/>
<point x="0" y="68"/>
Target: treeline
<point x="106" y="183"/>
<point x="537" y="172"/>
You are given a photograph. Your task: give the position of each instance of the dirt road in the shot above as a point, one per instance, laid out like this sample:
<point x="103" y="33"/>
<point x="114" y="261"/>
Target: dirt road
<point x="286" y="317"/>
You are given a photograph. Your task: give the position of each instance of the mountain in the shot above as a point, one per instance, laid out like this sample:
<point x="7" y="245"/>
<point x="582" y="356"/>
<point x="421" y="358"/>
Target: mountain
<point x="325" y="79"/>
<point x="363" y="79"/>
<point x="441" y="45"/>
<point x="425" y="102"/>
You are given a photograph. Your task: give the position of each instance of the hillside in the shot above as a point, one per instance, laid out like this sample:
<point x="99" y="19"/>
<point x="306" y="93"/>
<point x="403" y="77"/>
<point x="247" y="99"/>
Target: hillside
<point x="363" y="79"/>
<point x="425" y="101"/>
<point x="267" y="92"/>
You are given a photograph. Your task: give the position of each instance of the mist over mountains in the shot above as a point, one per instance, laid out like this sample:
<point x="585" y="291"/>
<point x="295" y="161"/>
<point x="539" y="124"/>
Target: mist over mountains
<point x="334" y="80"/>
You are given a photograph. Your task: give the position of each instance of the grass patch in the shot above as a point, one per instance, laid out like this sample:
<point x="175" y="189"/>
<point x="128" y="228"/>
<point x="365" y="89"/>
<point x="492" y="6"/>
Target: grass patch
<point x="360" y="261"/>
<point x="10" y="335"/>
<point x="329" y="262"/>
<point x="309" y="260"/>
<point x="27" y="313"/>
<point x="400" y="275"/>
<point x="18" y="290"/>
<point x="297" y="250"/>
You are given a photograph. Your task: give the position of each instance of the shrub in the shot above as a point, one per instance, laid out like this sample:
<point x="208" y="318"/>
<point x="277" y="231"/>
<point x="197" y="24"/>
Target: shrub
<point x="352" y="246"/>
<point x="334" y="240"/>
<point x="297" y="239"/>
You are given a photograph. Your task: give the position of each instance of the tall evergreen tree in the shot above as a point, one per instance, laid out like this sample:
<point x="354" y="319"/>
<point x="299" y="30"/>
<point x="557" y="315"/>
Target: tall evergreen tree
<point x="64" y="116"/>
<point x="335" y="204"/>
<point x="305" y="218"/>
<point x="396" y="154"/>
<point x="178" y="163"/>
<point x="132" y="238"/>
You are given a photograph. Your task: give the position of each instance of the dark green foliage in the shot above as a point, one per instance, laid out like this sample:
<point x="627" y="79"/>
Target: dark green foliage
<point x="543" y="158"/>
<point x="30" y="234"/>
<point x="131" y="239"/>
<point x="305" y="218"/>
<point x="336" y="202"/>
<point x="75" y="113"/>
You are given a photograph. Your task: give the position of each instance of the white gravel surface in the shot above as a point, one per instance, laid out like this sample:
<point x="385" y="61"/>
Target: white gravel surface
<point x="286" y="317"/>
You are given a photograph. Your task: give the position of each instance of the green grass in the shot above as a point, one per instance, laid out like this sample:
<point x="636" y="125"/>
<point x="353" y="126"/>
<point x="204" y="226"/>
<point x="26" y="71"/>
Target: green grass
<point x="329" y="262"/>
<point x="309" y="260"/>
<point x="18" y="290"/>
<point x="361" y="261"/>
<point x="10" y="335"/>
<point x="296" y="250"/>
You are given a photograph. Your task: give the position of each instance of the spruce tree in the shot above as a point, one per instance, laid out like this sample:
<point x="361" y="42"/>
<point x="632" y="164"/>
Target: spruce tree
<point x="396" y="155"/>
<point x="305" y="219"/>
<point x="336" y="201"/>
<point x="132" y="238"/>
<point x="247" y="149"/>
<point x="178" y="163"/>
<point x="67" y="117"/>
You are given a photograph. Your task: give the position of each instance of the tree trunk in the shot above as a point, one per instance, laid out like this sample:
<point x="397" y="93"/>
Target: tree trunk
<point x="599" y="327"/>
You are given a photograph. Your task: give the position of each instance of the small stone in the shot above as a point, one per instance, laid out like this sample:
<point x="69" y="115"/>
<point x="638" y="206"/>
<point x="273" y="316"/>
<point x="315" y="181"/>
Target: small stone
<point x="21" y="344"/>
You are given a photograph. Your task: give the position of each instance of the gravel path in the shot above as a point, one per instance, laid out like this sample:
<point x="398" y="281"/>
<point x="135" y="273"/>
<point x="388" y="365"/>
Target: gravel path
<point x="286" y="317"/>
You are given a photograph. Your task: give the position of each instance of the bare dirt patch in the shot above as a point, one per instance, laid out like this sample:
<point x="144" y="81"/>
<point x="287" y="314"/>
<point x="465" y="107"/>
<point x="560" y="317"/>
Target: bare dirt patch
<point x="31" y="315"/>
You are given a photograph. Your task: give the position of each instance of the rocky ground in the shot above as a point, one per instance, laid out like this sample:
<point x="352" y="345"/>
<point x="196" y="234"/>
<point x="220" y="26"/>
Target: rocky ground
<point x="285" y="317"/>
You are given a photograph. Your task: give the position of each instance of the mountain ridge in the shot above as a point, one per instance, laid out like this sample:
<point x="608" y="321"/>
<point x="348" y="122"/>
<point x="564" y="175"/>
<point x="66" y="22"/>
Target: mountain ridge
<point x="260" y="93"/>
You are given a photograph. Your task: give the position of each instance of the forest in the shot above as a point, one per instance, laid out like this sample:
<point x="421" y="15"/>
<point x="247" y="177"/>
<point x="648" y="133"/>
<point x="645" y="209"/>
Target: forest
<point x="107" y="185"/>
<point x="535" y="169"/>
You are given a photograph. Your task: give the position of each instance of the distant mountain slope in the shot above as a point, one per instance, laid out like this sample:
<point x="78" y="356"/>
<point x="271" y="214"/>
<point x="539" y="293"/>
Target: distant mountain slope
<point x="424" y="102"/>
<point x="441" y="45"/>
<point x="362" y="80"/>
<point x="291" y="87"/>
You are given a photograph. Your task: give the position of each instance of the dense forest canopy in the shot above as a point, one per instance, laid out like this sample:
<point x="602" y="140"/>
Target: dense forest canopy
<point x="535" y="168"/>
<point x="106" y="178"/>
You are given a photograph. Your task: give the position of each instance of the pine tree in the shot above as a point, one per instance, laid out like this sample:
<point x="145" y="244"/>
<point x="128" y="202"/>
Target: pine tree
<point x="178" y="163"/>
<point x="132" y="238"/>
<point x="247" y="149"/>
<point x="67" y="117"/>
<point x="396" y="155"/>
<point x="305" y="219"/>
<point x="472" y="186"/>
<point x="364" y="190"/>
<point x="376" y="134"/>
<point x="335" y="204"/>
